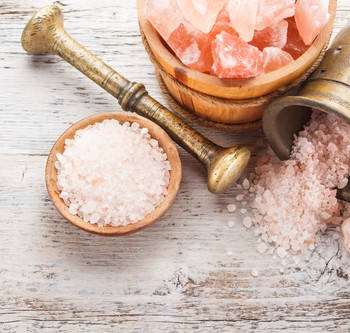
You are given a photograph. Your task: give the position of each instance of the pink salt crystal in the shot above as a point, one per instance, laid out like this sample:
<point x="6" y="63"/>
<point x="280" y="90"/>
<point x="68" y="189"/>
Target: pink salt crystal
<point x="262" y="248"/>
<point x="243" y="17"/>
<point x="272" y="11"/>
<point x="243" y="211"/>
<point x="191" y="47"/>
<point x="239" y="197"/>
<point x="234" y="58"/>
<point x="281" y="252"/>
<point x="247" y="222"/>
<point x="311" y="16"/>
<point x="295" y="45"/>
<point x="274" y="58"/>
<point x="231" y="208"/>
<point x="346" y="233"/>
<point x="201" y="13"/>
<point x="274" y="35"/>
<point x="223" y="23"/>
<point x="343" y="182"/>
<point x="254" y="273"/>
<point x="245" y="184"/>
<point x="164" y="15"/>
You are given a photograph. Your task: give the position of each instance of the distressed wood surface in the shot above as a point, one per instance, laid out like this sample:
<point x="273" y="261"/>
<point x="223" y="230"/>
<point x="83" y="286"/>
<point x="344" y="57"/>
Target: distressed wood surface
<point x="188" y="271"/>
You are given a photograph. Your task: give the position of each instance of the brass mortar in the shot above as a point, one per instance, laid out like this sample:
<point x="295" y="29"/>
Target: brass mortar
<point x="327" y="89"/>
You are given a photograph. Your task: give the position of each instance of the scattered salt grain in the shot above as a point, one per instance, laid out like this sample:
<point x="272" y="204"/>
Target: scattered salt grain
<point x="281" y="252"/>
<point x="262" y="248"/>
<point x="245" y="184"/>
<point x="243" y="211"/>
<point x="247" y="222"/>
<point x="281" y="270"/>
<point x="254" y="273"/>
<point x="112" y="174"/>
<point x="239" y="197"/>
<point x="231" y="224"/>
<point x="231" y="208"/>
<point x="229" y="253"/>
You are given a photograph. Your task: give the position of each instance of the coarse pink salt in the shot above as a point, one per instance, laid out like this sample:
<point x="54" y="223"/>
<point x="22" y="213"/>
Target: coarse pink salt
<point x="112" y="174"/>
<point x="295" y="200"/>
<point x="346" y="233"/>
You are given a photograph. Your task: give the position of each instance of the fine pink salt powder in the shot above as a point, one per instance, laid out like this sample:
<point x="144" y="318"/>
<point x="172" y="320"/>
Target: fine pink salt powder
<point x="112" y="174"/>
<point x="294" y="200"/>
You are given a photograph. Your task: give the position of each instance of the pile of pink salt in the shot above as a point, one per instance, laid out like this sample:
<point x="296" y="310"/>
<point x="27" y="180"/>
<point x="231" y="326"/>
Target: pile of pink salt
<point x="237" y="38"/>
<point x="295" y="200"/>
<point x="112" y="174"/>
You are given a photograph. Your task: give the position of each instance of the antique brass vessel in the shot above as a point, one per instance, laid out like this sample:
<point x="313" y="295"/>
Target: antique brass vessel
<point x="327" y="89"/>
<point x="45" y="33"/>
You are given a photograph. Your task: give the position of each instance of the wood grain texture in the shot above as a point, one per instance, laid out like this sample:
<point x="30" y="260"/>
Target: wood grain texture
<point x="174" y="276"/>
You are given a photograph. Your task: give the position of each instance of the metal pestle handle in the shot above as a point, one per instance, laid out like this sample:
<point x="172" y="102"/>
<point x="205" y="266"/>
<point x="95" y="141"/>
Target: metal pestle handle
<point x="45" y="33"/>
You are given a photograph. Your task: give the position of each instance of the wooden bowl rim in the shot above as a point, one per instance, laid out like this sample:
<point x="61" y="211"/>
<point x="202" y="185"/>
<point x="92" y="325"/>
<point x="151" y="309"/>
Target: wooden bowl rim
<point x="234" y="88"/>
<point x="156" y="132"/>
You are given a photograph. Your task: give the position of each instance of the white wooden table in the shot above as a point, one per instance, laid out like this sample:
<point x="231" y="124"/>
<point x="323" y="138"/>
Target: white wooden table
<point x="175" y="276"/>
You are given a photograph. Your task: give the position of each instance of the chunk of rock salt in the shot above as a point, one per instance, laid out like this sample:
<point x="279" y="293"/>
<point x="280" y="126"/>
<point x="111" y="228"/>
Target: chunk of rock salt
<point x="245" y="184"/>
<point x="164" y="15"/>
<point x="191" y="47"/>
<point x="111" y="174"/>
<point x="346" y="233"/>
<point x="234" y="58"/>
<point x="243" y="17"/>
<point x="295" y="45"/>
<point x="311" y="16"/>
<point x="201" y="13"/>
<point x="223" y="23"/>
<point x="231" y="224"/>
<point x="274" y="35"/>
<point x="274" y="58"/>
<point x="272" y="11"/>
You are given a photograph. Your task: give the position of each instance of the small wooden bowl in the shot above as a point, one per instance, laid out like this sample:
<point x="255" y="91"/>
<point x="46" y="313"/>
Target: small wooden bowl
<point x="156" y="132"/>
<point x="229" y="101"/>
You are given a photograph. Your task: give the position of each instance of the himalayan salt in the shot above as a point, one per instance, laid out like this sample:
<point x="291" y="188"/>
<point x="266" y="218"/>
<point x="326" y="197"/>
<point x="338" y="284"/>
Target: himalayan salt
<point x="272" y="11"/>
<point x="243" y="17"/>
<point x="191" y="47"/>
<point x="231" y="208"/>
<point x="164" y="15"/>
<point x="254" y="273"/>
<point x="274" y="58"/>
<point x="311" y="16"/>
<point x="223" y="23"/>
<point x="295" y="45"/>
<point x="247" y="222"/>
<point x="291" y="207"/>
<point x="201" y="13"/>
<point x="274" y="35"/>
<point x="234" y="58"/>
<point x="245" y="184"/>
<point x="231" y="224"/>
<point x="262" y="248"/>
<point x="346" y="233"/>
<point x="112" y="174"/>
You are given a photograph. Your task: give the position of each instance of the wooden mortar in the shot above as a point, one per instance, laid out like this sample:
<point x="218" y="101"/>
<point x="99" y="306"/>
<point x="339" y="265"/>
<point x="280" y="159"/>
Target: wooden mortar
<point x="229" y="101"/>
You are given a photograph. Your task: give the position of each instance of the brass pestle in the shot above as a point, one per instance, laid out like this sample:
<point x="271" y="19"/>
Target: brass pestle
<point x="45" y="33"/>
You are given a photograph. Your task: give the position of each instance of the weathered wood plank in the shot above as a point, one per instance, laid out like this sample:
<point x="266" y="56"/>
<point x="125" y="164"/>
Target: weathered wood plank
<point x="174" y="276"/>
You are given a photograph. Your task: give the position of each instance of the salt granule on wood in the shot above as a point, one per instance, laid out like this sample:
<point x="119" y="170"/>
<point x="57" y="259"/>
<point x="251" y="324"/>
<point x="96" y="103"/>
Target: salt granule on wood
<point x="295" y="200"/>
<point x="112" y="174"/>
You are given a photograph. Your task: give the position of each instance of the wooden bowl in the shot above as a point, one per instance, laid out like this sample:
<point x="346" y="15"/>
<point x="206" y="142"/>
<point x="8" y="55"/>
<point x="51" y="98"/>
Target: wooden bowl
<point x="156" y="132"/>
<point x="229" y="100"/>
